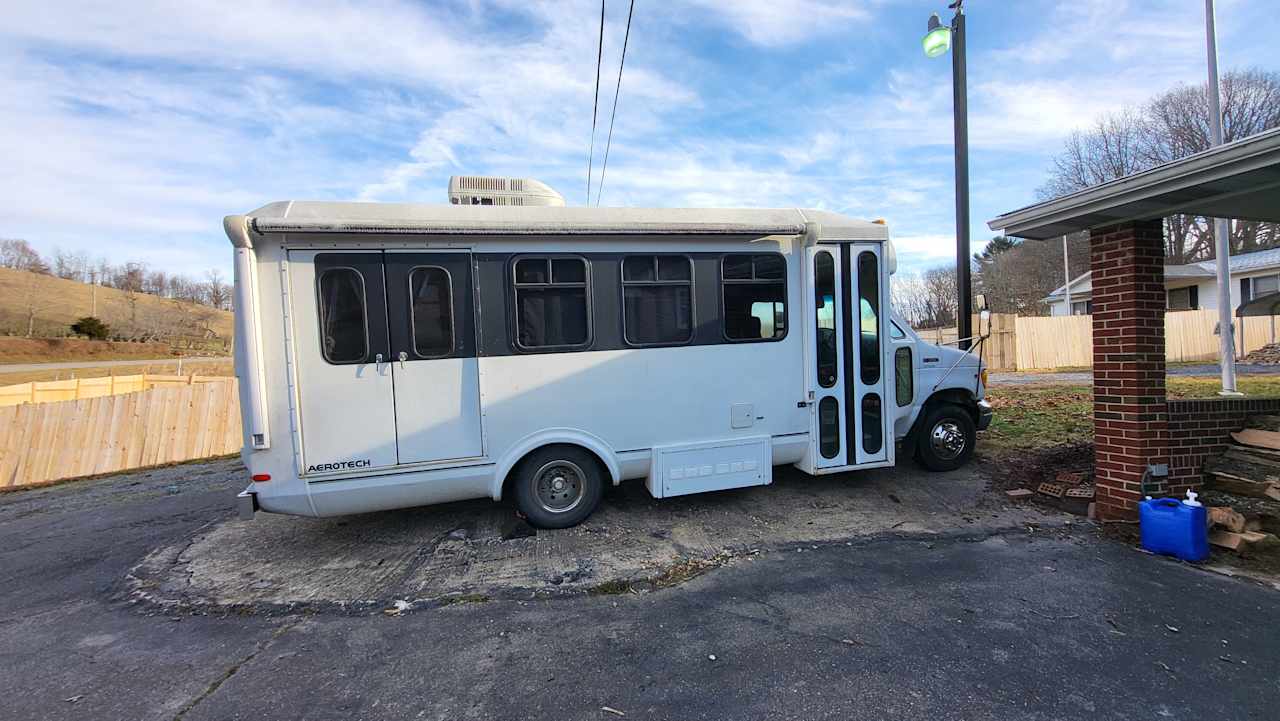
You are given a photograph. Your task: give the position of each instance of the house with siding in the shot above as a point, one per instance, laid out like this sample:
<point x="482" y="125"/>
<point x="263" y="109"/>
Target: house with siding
<point x="1193" y="286"/>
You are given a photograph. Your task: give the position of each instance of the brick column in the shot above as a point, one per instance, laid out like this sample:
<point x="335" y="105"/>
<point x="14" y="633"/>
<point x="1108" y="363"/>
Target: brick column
<point x="1130" y="413"/>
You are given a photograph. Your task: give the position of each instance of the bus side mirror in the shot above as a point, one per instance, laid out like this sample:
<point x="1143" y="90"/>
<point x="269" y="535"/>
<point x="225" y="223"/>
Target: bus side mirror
<point x="985" y="316"/>
<point x="980" y="302"/>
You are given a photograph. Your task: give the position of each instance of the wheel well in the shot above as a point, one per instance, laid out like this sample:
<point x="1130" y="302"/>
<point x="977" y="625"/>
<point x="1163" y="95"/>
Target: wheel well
<point x="954" y="396"/>
<point x="511" y="474"/>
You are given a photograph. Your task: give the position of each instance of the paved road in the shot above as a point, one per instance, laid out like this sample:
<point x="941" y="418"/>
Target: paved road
<point x="1086" y="377"/>
<point x="1027" y="625"/>
<point x="72" y="365"/>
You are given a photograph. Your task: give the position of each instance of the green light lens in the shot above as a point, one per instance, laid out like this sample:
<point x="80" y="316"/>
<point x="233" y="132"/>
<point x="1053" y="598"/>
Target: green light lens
<point x="937" y="42"/>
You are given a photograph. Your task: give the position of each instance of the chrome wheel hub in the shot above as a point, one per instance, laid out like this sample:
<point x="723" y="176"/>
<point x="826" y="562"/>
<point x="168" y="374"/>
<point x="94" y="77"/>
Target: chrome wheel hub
<point x="558" y="486"/>
<point x="947" y="440"/>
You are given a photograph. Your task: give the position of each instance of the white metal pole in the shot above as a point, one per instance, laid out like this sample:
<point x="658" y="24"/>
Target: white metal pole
<point x="1221" y="226"/>
<point x="1066" y="273"/>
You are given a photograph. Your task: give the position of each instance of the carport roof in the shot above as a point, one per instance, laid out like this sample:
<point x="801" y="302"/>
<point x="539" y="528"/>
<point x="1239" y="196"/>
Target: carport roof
<point x="1238" y="180"/>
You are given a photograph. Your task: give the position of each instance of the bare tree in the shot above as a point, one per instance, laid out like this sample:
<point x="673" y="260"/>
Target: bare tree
<point x="1173" y="125"/>
<point x="19" y="255"/>
<point x="1016" y="276"/>
<point x="216" y="293"/>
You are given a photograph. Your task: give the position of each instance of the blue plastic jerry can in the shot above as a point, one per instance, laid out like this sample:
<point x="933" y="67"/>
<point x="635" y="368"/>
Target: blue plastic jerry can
<point x="1175" y="528"/>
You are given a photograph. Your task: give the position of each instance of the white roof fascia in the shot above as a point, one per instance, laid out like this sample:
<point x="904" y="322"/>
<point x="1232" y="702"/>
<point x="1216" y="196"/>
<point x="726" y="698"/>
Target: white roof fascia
<point x="1253" y="153"/>
<point x="407" y="218"/>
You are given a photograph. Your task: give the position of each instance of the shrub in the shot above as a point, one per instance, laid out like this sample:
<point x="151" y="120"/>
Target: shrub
<point x="92" y="328"/>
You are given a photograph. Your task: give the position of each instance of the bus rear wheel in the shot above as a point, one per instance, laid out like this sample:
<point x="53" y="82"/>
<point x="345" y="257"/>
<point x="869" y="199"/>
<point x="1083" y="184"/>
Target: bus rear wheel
<point x="558" y="486"/>
<point x="947" y="438"/>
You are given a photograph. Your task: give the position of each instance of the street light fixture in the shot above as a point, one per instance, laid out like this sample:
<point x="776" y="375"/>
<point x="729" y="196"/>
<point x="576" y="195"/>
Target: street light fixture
<point x="937" y="41"/>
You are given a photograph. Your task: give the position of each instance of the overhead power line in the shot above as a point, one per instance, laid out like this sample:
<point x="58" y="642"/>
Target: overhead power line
<point x="614" y="113"/>
<point x="595" y="103"/>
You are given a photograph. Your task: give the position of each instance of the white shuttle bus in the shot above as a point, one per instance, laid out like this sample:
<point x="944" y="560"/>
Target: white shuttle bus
<point x="397" y="355"/>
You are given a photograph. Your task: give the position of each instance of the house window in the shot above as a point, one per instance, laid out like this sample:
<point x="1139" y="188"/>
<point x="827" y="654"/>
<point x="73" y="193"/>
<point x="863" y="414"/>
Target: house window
<point x="551" y="303"/>
<point x="657" y="299"/>
<point x="1183" y="298"/>
<point x="1082" y="307"/>
<point x="344" y="335"/>
<point x="754" y="294"/>
<point x="1263" y="285"/>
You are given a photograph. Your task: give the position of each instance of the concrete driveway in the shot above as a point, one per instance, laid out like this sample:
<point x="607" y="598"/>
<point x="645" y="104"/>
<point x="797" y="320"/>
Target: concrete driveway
<point x="478" y="549"/>
<point x="967" y="616"/>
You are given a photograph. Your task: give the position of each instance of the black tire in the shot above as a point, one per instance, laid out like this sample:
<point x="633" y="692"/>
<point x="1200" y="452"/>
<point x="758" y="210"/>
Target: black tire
<point x="558" y="486"/>
<point x="945" y="437"/>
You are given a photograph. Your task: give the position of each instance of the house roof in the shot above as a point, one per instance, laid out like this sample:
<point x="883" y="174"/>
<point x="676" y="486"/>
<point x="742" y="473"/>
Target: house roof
<point x="423" y="218"/>
<point x="1235" y="180"/>
<point x="1243" y="263"/>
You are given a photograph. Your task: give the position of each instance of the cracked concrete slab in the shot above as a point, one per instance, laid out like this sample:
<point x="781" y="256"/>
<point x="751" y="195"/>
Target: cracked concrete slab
<point x="468" y="551"/>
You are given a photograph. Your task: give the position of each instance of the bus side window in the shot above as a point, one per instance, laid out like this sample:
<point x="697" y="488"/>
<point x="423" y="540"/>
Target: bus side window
<point x="754" y="296"/>
<point x="902" y="373"/>
<point x="551" y="303"/>
<point x="344" y="332"/>
<point x="657" y="299"/>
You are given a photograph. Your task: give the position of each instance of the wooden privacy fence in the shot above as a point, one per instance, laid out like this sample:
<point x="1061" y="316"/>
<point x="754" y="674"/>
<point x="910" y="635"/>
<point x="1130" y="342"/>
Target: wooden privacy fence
<point x="1000" y="350"/>
<point x="169" y="422"/>
<point x="80" y="388"/>
<point x="1046" y="343"/>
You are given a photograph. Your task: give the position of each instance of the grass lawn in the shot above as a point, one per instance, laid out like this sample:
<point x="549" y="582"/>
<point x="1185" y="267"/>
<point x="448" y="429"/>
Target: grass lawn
<point x="1039" y="416"/>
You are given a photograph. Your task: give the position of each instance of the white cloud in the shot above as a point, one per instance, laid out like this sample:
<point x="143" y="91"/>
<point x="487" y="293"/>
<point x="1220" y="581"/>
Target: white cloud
<point x="774" y="23"/>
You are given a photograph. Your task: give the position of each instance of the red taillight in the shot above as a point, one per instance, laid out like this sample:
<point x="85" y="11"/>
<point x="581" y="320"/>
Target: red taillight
<point x="261" y="477"/>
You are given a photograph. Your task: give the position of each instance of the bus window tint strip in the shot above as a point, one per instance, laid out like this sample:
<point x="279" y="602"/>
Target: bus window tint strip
<point x="344" y="332"/>
<point x="869" y="317"/>
<point x="551" y="303"/>
<point x="754" y="296"/>
<point x="824" y="291"/>
<point x="657" y="299"/>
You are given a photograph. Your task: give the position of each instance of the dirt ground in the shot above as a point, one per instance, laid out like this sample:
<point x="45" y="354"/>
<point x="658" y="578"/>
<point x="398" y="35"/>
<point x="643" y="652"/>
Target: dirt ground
<point x="479" y="550"/>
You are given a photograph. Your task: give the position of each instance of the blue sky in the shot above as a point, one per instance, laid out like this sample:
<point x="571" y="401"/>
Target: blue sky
<point x="129" y="129"/>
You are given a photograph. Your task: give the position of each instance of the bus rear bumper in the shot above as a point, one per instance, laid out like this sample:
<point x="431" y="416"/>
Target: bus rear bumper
<point x="246" y="504"/>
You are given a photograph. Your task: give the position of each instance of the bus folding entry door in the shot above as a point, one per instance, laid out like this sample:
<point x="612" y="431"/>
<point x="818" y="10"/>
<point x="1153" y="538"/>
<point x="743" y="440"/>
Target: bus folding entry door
<point x="431" y="311"/>
<point x="825" y="370"/>
<point x="346" y="410"/>
<point x="865" y="318"/>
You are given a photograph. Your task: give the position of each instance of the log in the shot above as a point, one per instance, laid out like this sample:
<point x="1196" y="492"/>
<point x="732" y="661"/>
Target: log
<point x="1247" y="455"/>
<point x="1228" y="483"/>
<point x="1264" y="422"/>
<point x="1255" y="451"/>
<point x="1228" y="518"/>
<point x="1235" y="467"/>
<point x="1241" y="542"/>
<point x="1259" y="438"/>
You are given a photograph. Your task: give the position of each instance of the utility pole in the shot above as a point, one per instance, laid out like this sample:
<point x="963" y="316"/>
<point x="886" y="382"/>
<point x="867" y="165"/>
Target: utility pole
<point x="960" y="99"/>
<point x="1066" y="273"/>
<point x="937" y="41"/>
<point x="93" y="293"/>
<point x="1221" y="226"/>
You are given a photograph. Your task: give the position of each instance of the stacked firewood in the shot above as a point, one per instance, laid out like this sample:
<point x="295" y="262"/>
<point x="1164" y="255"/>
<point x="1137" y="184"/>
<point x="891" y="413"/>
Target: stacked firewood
<point x="1243" y="487"/>
<point x="1268" y="354"/>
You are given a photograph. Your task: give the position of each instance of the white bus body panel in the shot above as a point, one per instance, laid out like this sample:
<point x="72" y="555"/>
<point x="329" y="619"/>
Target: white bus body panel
<point x="347" y="418"/>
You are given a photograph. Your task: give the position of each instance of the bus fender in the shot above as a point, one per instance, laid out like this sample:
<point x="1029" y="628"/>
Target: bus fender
<point x="550" y="437"/>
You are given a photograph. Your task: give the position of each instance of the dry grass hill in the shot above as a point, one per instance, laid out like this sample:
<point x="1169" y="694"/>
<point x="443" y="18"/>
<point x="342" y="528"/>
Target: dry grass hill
<point x="51" y="305"/>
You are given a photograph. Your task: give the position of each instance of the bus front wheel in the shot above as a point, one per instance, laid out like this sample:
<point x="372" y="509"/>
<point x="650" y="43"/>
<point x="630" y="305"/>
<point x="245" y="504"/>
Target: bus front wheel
<point x="947" y="437"/>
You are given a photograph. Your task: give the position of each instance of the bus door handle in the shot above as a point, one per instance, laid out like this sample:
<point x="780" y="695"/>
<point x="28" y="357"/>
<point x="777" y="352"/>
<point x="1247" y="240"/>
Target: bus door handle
<point x="403" y="357"/>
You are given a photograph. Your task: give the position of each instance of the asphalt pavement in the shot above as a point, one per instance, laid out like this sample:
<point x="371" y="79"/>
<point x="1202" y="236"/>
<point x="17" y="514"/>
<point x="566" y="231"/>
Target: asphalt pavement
<point x="1026" y="623"/>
